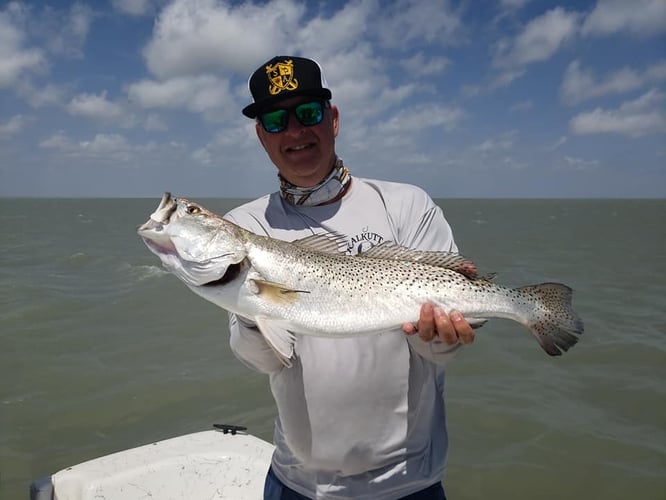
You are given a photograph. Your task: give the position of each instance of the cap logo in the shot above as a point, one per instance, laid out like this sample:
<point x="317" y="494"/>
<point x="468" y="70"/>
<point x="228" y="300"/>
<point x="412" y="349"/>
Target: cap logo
<point x="281" y="76"/>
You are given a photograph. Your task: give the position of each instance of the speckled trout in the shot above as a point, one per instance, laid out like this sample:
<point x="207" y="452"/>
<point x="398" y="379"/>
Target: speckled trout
<point x="311" y="287"/>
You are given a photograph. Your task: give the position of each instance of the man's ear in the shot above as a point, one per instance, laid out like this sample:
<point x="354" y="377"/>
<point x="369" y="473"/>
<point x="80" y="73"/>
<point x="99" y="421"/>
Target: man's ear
<point x="259" y="131"/>
<point x="335" y="114"/>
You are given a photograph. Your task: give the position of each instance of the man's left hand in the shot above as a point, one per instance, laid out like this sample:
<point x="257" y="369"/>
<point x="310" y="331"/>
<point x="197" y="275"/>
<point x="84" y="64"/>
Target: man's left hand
<point x="434" y="322"/>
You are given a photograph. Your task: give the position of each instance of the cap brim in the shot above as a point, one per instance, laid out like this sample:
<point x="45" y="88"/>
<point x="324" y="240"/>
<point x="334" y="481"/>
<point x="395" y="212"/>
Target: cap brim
<point x="255" y="108"/>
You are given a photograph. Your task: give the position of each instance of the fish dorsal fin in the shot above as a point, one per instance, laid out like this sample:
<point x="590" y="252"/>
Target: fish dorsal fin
<point x="453" y="261"/>
<point x="333" y="243"/>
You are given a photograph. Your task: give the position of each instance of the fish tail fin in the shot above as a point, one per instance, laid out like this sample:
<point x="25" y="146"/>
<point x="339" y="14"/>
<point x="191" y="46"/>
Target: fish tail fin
<point x="554" y="322"/>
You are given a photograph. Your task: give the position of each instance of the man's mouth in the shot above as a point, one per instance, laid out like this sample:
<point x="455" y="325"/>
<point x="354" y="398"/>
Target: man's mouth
<point x="300" y="147"/>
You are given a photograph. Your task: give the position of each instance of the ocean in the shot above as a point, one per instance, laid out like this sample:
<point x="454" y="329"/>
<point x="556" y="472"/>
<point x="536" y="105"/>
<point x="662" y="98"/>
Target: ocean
<point x="102" y="350"/>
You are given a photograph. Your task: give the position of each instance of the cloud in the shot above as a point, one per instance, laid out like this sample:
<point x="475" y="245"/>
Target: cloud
<point x="404" y="22"/>
<point x="420" y="117"/>
<point x="62" y="32"/>
<point x="637" y="17"/>
<point x="193" y="36"/>
<point x="204" y="94"/>
<point x="15" y="58"/>
<point x="98" y="107"/>
<point x="539" y="40"/>
<point x="639" y="117"/>
<point x="344" y="32"/>
<point x="153" y="123"/>
<point x="420" y="65"/>
<point x="580" y="164"/>
<point x="14" y="125"/>
<point x="69" y="40"/>
<point x="106" y="148"/>
<point x="580" y="85"/>
<point x="37" y="97"/>
<point x="502" y="143"/>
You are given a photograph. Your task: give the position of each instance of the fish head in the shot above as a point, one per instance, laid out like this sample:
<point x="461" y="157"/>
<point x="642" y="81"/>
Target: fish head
<point x="193" y="243"/>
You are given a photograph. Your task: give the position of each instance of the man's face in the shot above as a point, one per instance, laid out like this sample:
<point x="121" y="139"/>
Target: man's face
<point x="303" y="155"/>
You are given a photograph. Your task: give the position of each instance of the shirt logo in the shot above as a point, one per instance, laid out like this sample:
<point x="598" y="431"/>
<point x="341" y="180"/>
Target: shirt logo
<point x="281" y="76"/>
<point x="363" y="242"/>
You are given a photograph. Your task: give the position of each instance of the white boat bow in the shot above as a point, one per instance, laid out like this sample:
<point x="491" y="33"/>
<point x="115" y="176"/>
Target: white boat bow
<point x="202" y="465"/>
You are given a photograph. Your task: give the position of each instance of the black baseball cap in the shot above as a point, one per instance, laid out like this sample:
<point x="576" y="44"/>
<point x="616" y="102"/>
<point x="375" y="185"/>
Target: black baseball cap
<point x="283" y="77"/>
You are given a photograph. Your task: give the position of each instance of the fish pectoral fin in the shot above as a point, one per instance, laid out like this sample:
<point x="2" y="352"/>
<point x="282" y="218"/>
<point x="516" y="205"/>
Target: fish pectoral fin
<point x="278" y="337"/>
<point x="275" y="292"/>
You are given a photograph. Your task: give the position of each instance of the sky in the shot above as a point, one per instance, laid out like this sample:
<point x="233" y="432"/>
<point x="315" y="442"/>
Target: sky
<point x="467" y="99"/>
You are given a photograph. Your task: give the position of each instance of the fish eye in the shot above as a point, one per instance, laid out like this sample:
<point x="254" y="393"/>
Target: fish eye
<point x="192" y="209"/>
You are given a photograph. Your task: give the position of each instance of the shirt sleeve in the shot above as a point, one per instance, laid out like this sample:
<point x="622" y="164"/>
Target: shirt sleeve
<point x="249" y="346"/>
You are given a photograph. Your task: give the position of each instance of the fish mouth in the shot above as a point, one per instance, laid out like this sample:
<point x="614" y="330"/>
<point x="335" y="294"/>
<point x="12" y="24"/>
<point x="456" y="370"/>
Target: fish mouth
<point x="152" y="231"/>
<point x="167" y="206"/>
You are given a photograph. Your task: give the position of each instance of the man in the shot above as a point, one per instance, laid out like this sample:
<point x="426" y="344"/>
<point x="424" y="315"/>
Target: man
<point x="360" y="417"/>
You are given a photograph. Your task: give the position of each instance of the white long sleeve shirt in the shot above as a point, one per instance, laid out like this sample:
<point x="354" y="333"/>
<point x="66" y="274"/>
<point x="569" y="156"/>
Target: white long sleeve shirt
<point x="360" y="417"/>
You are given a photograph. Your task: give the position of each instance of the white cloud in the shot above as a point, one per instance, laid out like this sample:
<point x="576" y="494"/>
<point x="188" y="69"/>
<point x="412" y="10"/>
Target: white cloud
<point x="638" y="17"/>
<point x="193" y="36"/>
<point x="505" y="78"/>
<point x="580" y="164"/>
<point x="153" y="123"/>
<point x="37" y="97"/>
<point x="580" y="84"/>
<point x="540" y="39"/>
<point x="108" y="148"/>
<point x="420" y="65"/>
<point x="98" y="107"/>
<point x="63" y="32"/>
<point x="342" y="33"/>
<point x="504" y="142"/>
<point x="14" y="125"/>
<point x="202" y="156"/>
<point x="205" y="94"/>
<point x="420" y="117"/>
<point x="641" y="116"/>
<point x="15" y="58"/>
<point x="405" y="21"/>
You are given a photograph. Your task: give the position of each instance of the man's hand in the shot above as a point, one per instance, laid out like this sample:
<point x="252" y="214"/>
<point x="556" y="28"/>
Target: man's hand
<point x="434" y="322"/>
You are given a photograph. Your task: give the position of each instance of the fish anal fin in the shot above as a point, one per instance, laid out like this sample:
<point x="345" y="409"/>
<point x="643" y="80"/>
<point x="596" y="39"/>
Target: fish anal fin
<point x="275" y="292"/>
<point x="278" y="337"/>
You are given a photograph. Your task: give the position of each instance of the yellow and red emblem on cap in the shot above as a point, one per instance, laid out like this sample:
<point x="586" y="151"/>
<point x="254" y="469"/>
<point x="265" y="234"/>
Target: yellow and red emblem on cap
<point x="281" y="75"/>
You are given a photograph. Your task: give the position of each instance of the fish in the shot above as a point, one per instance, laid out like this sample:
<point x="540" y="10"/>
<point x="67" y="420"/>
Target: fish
<point x="311" y="286"/>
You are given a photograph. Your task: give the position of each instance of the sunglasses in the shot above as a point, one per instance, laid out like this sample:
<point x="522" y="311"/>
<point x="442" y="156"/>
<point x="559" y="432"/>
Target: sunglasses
<point x="307" y="114"/>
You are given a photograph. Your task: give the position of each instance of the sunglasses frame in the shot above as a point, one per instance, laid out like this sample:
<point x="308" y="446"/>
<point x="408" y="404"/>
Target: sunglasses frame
<point x="292" y="111"/>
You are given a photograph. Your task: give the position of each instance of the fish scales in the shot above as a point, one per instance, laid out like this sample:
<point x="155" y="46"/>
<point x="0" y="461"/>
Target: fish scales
<point x="308" y="287"/>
